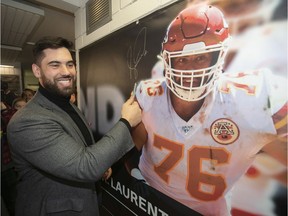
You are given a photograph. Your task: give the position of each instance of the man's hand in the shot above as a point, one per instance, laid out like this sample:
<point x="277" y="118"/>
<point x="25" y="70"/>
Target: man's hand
<point x="131" y="111"/>
<point x="107" y="174"/>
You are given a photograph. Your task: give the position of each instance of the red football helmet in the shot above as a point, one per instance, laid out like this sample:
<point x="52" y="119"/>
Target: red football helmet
<point x="196" y="30"/>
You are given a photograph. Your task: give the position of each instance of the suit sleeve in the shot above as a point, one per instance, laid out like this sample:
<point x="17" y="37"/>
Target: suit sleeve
<point x="48" y="145"/>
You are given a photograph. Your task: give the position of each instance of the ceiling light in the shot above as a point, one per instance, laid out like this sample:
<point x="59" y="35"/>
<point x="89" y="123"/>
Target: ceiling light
<point x="6" y="66"/>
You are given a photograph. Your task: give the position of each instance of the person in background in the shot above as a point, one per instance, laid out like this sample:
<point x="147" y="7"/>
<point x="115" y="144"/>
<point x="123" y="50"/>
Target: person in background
<point x="8" y="173"/>
<point x="27" y="94"/>
<point x="73" y="98"/>
<point x="55" y="155"/>
<point x="7" y="96"/>
<point x="201" y="128"/>
<point x="18" y="103"/>
<point x="7" y="112"/>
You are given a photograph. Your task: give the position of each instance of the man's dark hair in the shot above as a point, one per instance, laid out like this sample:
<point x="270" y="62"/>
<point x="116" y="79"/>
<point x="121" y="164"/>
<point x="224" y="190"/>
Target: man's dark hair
<point x="49" y="43"/>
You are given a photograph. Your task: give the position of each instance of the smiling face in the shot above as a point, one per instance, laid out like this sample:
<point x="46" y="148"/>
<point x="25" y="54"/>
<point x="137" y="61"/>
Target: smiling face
<point x="56" y="72"/>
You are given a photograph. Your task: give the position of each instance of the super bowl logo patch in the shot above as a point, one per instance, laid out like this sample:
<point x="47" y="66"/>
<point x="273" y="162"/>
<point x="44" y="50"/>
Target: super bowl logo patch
<point x="224" y="131"/>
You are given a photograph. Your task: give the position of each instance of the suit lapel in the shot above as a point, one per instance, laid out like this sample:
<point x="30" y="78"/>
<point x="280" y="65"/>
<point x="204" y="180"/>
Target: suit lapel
<point x="68" y="121"/>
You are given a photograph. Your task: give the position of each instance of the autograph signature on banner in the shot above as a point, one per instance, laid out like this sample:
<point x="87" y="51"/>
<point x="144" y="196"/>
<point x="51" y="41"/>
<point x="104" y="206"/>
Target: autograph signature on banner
<point x="136" y="52"/>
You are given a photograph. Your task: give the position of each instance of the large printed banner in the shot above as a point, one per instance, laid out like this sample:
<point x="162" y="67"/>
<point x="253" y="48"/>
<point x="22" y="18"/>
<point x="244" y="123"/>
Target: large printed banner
<point x="108" y="71"/>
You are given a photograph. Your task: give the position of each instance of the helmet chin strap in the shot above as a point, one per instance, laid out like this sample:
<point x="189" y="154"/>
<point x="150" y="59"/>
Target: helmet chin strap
<point x="189" y="95"/>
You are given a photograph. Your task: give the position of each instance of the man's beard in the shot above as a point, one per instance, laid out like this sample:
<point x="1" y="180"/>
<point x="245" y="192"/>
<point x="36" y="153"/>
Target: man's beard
<point x="54" y="89"/>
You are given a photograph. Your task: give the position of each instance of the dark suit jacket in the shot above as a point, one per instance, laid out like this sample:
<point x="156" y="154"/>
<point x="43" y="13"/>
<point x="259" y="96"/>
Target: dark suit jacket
<point x="57" y="169"/>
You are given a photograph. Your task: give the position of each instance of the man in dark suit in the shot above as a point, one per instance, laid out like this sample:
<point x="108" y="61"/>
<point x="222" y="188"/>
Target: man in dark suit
<point x="53" y="148"/>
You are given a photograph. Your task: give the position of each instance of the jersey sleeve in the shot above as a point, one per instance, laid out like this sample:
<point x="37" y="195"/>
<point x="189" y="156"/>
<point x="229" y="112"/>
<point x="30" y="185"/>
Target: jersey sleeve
<point x="140" y="96"/>
<point x="147" y="91"/>
<point x="277" y="90"/>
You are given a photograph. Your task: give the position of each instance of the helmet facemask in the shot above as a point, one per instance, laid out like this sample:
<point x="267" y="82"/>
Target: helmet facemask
<point x="193" y="51"/>
<point x="194" y="84"/>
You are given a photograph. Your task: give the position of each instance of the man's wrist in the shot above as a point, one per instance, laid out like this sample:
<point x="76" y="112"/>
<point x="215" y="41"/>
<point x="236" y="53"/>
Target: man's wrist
<point x="126" y="123"/>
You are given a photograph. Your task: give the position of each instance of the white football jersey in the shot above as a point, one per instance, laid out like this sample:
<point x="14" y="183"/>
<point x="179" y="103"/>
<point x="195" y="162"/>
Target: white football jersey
<point x="197" y="162"/>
